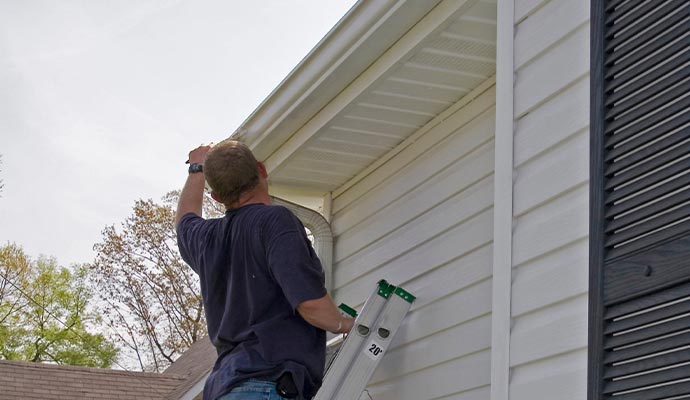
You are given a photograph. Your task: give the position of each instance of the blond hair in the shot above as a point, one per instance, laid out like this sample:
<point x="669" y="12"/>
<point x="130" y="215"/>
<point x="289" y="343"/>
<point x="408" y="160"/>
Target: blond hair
<point x="230" y="170"/>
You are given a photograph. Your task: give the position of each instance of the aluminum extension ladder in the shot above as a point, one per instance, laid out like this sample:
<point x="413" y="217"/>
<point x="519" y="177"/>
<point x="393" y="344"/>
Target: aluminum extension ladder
<point x="365" y="346"/>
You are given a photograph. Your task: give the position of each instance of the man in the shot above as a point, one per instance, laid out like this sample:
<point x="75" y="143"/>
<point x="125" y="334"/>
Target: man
<point x="261" y="282"/>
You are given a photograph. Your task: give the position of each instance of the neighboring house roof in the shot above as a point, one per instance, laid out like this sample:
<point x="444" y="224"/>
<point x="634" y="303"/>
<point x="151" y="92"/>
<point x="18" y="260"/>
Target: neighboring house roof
<point x="27" y="380"/>
<point x="195" y="365"/>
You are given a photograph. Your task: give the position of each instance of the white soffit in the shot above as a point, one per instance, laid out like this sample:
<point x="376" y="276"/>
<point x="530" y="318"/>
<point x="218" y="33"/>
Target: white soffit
<point x="446" y="54"/>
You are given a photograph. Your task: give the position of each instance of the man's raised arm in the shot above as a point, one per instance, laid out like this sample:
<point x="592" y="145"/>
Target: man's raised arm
<point x="192" y="196"/>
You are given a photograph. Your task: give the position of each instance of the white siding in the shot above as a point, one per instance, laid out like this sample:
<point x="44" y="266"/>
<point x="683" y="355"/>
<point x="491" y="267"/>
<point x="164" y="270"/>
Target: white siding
<point x="424" y="221"/>
<point x="548" y="343"/>
<point x="540" y="380"/>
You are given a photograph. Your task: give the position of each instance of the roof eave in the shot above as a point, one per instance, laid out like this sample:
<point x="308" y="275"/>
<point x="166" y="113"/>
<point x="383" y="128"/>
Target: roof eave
<point x="360" y="37"/>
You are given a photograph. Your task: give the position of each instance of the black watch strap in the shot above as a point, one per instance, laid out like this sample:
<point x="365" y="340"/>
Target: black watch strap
<point x="194" y="168"/>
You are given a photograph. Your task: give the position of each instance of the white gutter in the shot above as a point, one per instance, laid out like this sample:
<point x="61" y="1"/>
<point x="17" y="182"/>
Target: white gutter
<point x="320" y="228"/>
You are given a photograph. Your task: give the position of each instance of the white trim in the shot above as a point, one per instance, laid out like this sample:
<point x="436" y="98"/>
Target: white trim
<point x="195" y="390"/>
<point x="503" y="202"/>
<point x="327" y="206"/>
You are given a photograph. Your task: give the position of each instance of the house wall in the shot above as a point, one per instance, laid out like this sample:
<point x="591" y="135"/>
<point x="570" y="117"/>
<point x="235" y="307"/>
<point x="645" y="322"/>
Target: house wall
<point x="548" y="338"/>
<point x="424" y="221"/>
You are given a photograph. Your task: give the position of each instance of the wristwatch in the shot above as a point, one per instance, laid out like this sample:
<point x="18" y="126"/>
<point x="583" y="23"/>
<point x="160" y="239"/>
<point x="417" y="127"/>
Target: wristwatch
<point x="194" y="168"/>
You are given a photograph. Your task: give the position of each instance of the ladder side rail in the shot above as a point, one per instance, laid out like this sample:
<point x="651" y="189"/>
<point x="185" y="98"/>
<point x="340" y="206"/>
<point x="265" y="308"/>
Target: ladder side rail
<point x="362" y="329"/>
<point x="375" y="346"/>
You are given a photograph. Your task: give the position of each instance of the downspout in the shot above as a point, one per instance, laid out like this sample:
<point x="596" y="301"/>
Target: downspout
<point x="320" y="228"/>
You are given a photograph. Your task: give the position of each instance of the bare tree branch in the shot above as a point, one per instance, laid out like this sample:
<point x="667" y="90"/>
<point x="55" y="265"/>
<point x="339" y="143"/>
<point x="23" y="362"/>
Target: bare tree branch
<point x="152" y="295"/>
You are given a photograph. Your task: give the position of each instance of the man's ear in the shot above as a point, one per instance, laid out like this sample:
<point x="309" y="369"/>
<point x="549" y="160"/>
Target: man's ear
<point x="262" y="170"/>
<point x="215" y="197"/>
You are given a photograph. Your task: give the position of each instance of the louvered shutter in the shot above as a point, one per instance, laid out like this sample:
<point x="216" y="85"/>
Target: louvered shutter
<point x="640" y="224"/>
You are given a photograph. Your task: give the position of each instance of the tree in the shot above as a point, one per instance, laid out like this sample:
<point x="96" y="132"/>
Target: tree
<point x="150" y="296"/>
<point x="14" y="275"/>
<point x="44" y="313"/>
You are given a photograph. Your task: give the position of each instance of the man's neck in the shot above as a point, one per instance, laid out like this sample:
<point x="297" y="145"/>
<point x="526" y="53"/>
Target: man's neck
<point x="254" y="197"/>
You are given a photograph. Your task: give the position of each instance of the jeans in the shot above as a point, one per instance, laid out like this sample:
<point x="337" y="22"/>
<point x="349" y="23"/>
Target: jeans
<point x="253" y="390"/>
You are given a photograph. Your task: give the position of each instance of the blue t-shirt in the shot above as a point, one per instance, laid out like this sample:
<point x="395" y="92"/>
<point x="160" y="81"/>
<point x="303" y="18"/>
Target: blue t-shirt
<point x="256" y="265"/>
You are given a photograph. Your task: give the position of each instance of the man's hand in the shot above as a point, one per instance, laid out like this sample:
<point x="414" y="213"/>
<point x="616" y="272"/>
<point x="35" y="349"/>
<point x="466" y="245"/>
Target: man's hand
<point x="322" y="313"/>
<point x="346" y="326"/>
<point x="198" y="155"/>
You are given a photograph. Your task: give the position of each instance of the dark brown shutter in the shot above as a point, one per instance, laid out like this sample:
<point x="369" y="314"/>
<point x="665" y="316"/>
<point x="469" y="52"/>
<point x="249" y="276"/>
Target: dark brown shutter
<point x="640" y="192"/>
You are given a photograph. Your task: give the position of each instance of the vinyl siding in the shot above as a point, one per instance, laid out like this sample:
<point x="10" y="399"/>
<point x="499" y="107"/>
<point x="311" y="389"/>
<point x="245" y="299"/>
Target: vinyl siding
<point x="548" y="342"/>
<point x="424" y="221"/>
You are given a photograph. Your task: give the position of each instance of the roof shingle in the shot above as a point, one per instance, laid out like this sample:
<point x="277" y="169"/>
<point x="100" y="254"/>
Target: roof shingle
<point x="194" y="364"/>
<point x="26" y="380"/>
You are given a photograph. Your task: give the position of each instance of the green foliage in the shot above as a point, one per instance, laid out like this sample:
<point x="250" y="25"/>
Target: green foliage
<point x="45" y="313"/>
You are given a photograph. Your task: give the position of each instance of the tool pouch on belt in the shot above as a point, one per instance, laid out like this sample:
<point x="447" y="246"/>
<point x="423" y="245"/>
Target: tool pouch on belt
<point x="285" y="386"/>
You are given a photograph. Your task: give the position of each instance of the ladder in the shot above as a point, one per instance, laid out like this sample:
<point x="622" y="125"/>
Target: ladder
<point x="367" y="343"/>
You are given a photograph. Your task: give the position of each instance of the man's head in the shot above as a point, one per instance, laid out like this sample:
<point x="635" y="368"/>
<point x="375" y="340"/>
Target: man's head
<point x="231" y="170"/>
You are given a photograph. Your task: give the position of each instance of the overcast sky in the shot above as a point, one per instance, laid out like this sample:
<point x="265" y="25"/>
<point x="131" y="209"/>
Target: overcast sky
<point x="101" y="100"/>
